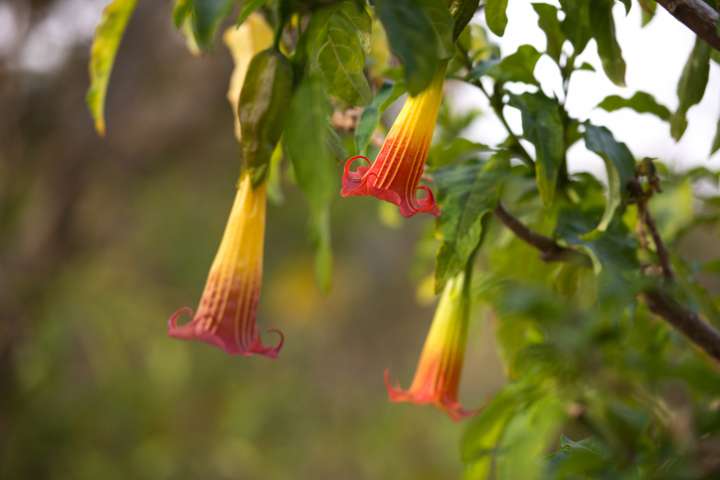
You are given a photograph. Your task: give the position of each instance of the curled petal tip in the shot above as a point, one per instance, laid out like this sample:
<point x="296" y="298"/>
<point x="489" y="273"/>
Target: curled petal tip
<point x="173" y="328"/>
<point x="395" y="393"/>
<point x="352" y="180"/>
<point x="271" y="352"/>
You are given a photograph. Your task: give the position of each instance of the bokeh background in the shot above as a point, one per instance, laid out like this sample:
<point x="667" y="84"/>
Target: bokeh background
<point x="102" y="239"/>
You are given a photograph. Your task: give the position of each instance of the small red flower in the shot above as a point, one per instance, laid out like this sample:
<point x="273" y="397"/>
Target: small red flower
<point x="226" y="315"/>
<point x="395" y="175"/>
<point x="437" y="377"/>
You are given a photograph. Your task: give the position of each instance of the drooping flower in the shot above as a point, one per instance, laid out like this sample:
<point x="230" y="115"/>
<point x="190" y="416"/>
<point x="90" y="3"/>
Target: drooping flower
<point x="395" y="175"/>
<point x="437" y="377"/>
<point x="226" y="314"/>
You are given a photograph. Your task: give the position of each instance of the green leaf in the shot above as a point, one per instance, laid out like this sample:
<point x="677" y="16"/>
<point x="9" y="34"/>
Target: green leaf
<point x="413" y="37"/>
<point x="526" y="438"/>
<point x="264" y="97"/>
<point x="206" y="18"/>
<point x="603" y="29"/>
<point x="371" y="115"/>
<point x="576" y="24"/>
<point x="335" y="49"/>
<point x="108" y="35"/>
<point x="496" y="16"/>
<point x="649" y="7"/>
<point x="181" y="10"/>
<point x="247" y="8"/>
<point x="463" y="11"/>
<point x="484" y="433"/>
<point x="466" y="193"/>
<point x="543" y="126"/>
<point x="619" y="163"/>
<point x="306" y="142"/>
<point x="691" y="87"/>
<point x="549" y="23"/>
<point x="518" y="67"/>
<point x="641" y="102"/>
<point x="716" y="142"/>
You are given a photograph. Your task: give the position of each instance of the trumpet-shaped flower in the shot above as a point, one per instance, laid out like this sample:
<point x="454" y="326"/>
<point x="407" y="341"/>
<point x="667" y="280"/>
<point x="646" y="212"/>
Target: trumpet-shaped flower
<point x="395" y="174"/>
<point x="437" y="377"/>
<point x="226" y="314"/>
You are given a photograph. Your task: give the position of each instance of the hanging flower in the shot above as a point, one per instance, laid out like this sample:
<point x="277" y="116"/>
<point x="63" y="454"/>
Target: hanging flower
<point x="437" y="376"/>
<point x="395" y="174"/>
<point x="226" y="315"/>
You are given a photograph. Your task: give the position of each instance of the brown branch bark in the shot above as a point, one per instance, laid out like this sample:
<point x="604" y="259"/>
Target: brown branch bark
<point x="689" y="323"/>
<point x="698" y="16"/>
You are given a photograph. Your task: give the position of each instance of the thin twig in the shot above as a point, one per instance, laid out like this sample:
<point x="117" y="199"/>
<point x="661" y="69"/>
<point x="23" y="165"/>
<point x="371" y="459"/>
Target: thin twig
<point x="658" y="300"/>
<point x="497" y="109"/>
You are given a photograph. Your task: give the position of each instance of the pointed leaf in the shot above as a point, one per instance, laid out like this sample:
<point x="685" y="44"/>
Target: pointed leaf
<point x="102" y="56"/>
<point x="543" y="126"/>
<point x="619" y="163"/>
<point x="306" y="142"/>
<point x="414" y="38"/>
<point x="641" y="102"/>
<point x="603" y="29"/>
<point x="549" y="23"/>
<point x="206" y="18"/>
<point x="496" y="16"/>
<point x="466" y="193"/>
<point x="248" y="7"/>
<point x="691" y="86"/>
<point x="371" y="115"/>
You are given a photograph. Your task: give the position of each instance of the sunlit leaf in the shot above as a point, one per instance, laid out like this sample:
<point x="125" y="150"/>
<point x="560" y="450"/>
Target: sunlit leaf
<point x="496" y="16"/>
<point x="335" y="46"/>
<point x="108" y="35"/>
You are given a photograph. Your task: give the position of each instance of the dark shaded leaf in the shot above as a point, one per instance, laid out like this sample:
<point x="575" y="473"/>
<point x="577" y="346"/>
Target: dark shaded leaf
<point x="206" y="18"/>
<point x="543" y="126"/>
<point x="463" y="11"/>
<point x="264" y="98"/>
<point x="619" y="163"/>
<point x="641" y="102"/>
<point x="549" y="23"/>
<point x="716" y="142"/>
<point x="691" y="86"/>
<point x="413" y="37"/>
<point x="496" y="16"/>
<point x="107" y="39"/>
<point x="603" y="29"/>
<point x="649" y="7"/>
<point x="247" y="8"/>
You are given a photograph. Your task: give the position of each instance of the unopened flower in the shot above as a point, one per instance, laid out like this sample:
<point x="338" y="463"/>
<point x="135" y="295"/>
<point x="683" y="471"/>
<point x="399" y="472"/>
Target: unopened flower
<point x="395" y="174"/>
<point x="437" y="377"/>
<point x="226" y="314"/>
